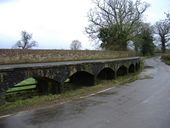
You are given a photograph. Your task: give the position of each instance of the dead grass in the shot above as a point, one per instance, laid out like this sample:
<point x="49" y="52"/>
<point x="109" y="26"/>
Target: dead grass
<point x="15" y="56"/>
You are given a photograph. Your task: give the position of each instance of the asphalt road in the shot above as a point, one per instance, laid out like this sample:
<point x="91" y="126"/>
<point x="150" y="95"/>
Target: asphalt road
<point x="144" y="103"/>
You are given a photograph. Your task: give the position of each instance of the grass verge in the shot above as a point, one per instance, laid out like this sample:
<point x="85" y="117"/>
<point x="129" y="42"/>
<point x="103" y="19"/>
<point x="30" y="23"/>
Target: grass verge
<point x="166" y="62"/>
<point x="42" y="101"/>
<point x="166" y="58"/>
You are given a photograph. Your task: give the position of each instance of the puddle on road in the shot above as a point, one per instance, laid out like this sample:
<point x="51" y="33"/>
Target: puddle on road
<point x="145" y="77"/>
<point x="105" y="94"/>
<point x="61" y="112"/>
<point x="147" y="73"/>
<point x="148" y="67"/>
<point x="58" y="113"/>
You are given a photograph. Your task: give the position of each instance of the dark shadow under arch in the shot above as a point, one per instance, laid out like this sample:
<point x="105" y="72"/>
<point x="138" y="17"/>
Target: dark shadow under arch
<point x="106" y="74"/>
<point x="82" y="78"/>
<point x="122" y="71"/>
<point x="132" y="68"/>
<point x="46" y="85"/>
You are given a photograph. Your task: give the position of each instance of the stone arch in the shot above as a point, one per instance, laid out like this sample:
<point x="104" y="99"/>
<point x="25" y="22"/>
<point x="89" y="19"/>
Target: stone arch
<point x="20" y="89"/>
<point x="12" y="78"/>
<point x="46" y="85"/>
<point x="137" y="66"/>
<point x="82" y="78"/>
<point x="131" y="68"/>
<point x="16" y="83"/>
<point x="106" y="74"/>
<point x="122" y="71"/>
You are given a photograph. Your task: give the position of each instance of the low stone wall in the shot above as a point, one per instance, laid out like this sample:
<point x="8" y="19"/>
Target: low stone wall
<point x="15" y="56"/>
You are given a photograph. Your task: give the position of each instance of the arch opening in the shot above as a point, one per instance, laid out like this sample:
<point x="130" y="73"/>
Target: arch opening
<point x="30" y="87"/>
<point x="21" y="90"/>
<point x="132" y="68"/>
<point x="122" y="71"/>
<point x="46" y="85"/>
<point x="82" y="78"/>
<point x="106" y="74"/>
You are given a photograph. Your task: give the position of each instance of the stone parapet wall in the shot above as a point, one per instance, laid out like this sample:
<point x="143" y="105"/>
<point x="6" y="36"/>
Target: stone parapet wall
<point x="16" y="56"/>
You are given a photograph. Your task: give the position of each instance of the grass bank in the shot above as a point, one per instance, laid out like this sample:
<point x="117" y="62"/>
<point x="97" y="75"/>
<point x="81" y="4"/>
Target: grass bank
<point x="166" y="58"/>
<point x="42" y="101"/>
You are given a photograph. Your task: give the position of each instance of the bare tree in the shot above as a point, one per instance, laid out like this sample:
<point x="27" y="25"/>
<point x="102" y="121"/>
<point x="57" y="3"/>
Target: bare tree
<point x="26" y="41"/>
<point x="168" y="17"/>
<point x="162" y="29"/>
<point x="75" y="45"/>
<point x="114" y="22"/>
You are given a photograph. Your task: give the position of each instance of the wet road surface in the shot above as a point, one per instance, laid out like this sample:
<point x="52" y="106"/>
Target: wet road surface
<point x="144" y="103"/>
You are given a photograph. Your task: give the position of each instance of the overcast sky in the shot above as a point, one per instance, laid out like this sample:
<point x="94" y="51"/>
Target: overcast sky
<point x="55" y="23"/>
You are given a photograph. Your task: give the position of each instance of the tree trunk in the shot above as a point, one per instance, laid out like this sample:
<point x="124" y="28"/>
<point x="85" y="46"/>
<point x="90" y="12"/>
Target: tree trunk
<point x="163" y="47"/>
